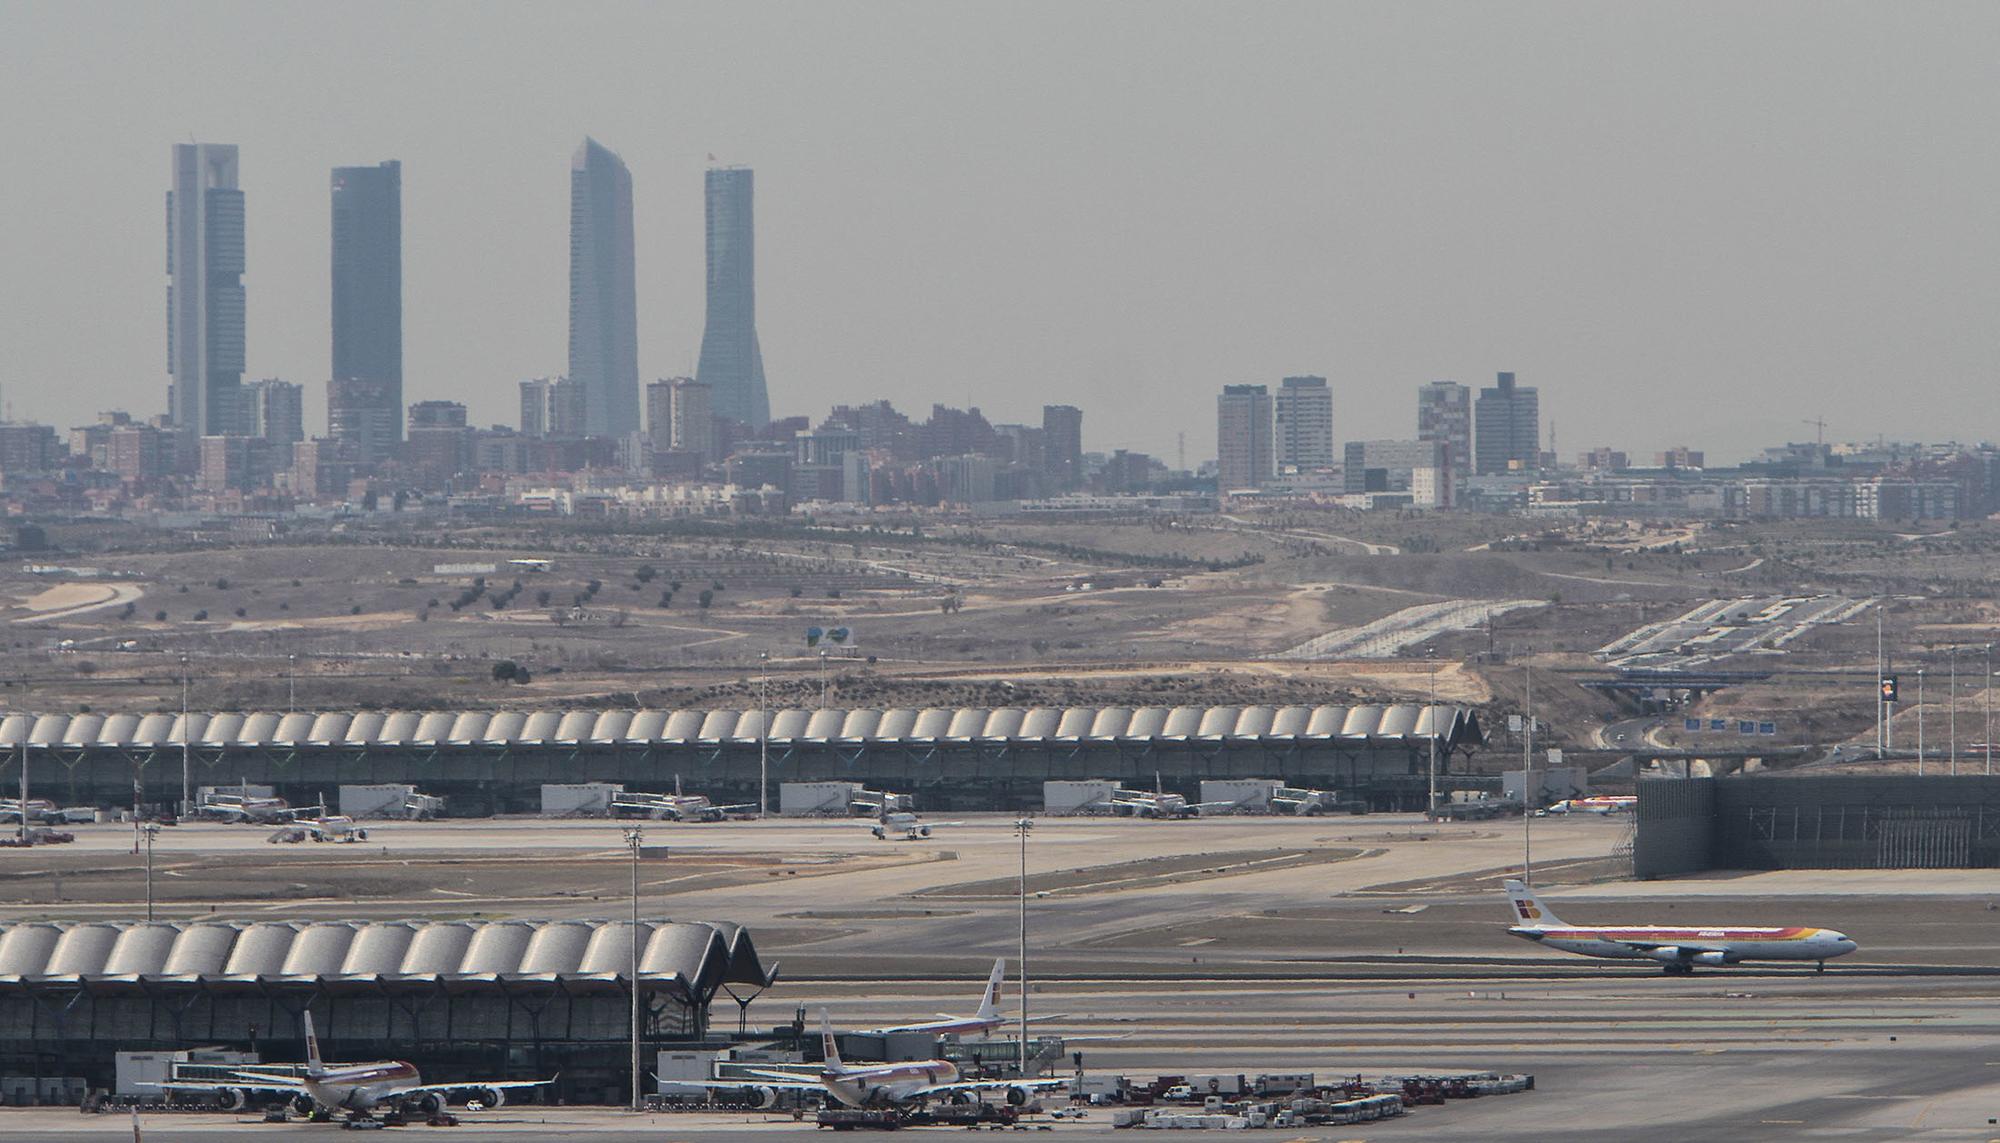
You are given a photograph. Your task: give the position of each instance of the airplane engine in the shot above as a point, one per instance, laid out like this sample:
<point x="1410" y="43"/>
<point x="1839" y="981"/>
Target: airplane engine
<point x="763" y="1097"/>
<point x="923" y="831"/>
<point x="232" y="1098"/>
<point x="430" y="1103"/>
<point x="1017" y="1096"/>
<point x="963" y="1098"/>
<point x="303" y="1104"/>
<point x="1712" y="958"/>
<point x="491" y="1098"/>
<point x="1671" y="954"/>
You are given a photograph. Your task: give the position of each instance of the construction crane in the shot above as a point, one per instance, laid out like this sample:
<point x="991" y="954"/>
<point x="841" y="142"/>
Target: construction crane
<point x="1818" y="423"/>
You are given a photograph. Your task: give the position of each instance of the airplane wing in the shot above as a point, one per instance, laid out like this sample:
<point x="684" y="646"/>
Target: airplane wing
<point x="740" y="808"/>
<point x="447" y="1088"/>
<point x="247" y="1081"/>
<point x="990" y="1085"/>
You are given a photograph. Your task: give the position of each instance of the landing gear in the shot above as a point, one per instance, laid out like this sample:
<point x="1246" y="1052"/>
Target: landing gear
<point x="1677" y="969"/>
<point x="1822" y="966"/>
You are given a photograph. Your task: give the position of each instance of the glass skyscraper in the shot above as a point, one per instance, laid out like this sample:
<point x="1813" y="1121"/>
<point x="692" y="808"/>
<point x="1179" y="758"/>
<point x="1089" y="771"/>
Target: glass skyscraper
<point x="365" y="397"/>
<point x="205" y="301"/>
<point x="603" y="301"/>
<point x="731" y="364"/>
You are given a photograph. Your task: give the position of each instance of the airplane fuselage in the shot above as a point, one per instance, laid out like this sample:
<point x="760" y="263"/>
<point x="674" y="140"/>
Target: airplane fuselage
<point x="1691" y="945"/>
<point x="970" y="1026"/>
<point x="888" y="1084"/>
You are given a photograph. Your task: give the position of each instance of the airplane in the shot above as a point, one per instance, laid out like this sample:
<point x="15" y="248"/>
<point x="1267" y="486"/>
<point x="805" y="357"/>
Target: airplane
<point x="905" y="1084"/>
<point x="1601" y="804"/>
<point x="674" y="807"/>
<point x="354" y="1089"/>
<point x="1678" y="949"/>
<point x="975" y="1027"/>
<point x="338" y="827"/>
<point x="253" y="810"/>
<point x="911" y="827"/>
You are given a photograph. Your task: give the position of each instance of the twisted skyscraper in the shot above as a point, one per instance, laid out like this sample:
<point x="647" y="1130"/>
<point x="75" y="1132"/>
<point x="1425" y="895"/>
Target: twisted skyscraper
<point x="732" y="365"/>
<point x="603" y="302"/>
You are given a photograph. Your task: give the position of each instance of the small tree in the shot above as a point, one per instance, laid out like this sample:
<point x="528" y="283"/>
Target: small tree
<point x="201" y="616"/>
<point x="159" y="617"/>
<point x="505" y="671"/>
<point x="707" y="598"/>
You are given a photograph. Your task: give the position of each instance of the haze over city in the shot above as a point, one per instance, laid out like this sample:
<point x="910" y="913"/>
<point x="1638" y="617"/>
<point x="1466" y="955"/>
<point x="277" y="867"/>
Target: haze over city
<point x="1685" y="224"/>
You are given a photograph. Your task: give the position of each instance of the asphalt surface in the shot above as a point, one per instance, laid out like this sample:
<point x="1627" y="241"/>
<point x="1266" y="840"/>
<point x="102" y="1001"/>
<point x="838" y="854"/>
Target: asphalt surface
<point x="1390" y="957"/>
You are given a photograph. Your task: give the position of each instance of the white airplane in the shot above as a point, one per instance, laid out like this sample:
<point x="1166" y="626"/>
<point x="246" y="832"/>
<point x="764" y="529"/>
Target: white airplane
<point x="1678" y="949"/>
<point x="253" y="810"/>
<point x="908" y="825"/>
<point x="979" y="1024"/>
<point x="911" y="1082"/>
<point x="339" y="827"/>
<point x="355" y="1089"/>
<point x="1602" y="804"/>
<point x="674" y="807"/>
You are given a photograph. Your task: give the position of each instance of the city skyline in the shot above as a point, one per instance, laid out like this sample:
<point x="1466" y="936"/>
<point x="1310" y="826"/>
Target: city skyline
<point x="1555" y="195"/>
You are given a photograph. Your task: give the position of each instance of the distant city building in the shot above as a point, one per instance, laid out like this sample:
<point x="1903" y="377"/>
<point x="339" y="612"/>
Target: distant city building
<point x="1062" y="444"/>
<point x="135" y="453"/>
<point x="692" y="410"/>
<point x="535" y="407"/>
<point x="27" y="447"/>
<point x="660" y="413"/>
<point x="1243" y="438"/>
<point x="1444" y="413"/>
<point x="234" y="463"/>
<point x="732" y="363"/>
<point x="322" y="468"/>
<point x="205" y="305"/>
<point x="554" y="407"/>
<point x="1508" y="420"/>
<point x="276" y="413"/>
<point x="440" y="444"/>
<point x="364" y="400"/>
<point x="1603" y="460"/>
<point x="1393" y="465"/>
<point x="1680" y="456"/>
<point x="603" y="299"/>
<point x="92" y="441"/>
<point x="1303" y="416"/>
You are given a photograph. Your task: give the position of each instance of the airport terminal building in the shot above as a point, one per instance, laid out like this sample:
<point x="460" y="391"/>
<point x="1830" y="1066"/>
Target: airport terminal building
<point x="463" y="999"/>
<point x="967" y="758"/>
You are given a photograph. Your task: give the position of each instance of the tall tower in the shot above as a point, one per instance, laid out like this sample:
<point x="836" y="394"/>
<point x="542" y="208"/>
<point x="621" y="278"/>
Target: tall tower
<point x="1062" y="444"/>
<point x="1508" y="417"/>
<point x="1304" y="416"/>
<point x="1444" y="413"/>
<point x="732" y="364"/>
<point x="603" y="300"/>
<point x="205" y="290"/>
<point x="1243" y="438"/>
<point x="364" y="399"/>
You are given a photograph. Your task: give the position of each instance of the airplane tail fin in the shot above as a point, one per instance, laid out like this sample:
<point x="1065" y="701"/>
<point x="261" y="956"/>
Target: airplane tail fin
<point x="314" y="1066"/>
<point x="989" y="1007"/>
<point x="828" y="1047"/>
<point x="1528" y="908"/>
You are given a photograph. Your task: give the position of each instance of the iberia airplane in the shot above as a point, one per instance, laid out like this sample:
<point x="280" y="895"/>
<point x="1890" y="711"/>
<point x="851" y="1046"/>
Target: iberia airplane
<point x="904" y="1084"/>
<point x="1677" y="949"/>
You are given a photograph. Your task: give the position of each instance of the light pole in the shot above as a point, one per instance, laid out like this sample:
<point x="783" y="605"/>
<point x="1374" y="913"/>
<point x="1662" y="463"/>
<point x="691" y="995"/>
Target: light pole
<point x="822" y="678"/>
<point x="1987" y="686"/>
<point x="1021" y="827"/>
<point x="1920" y="722"/>
<point x="1431" y="712"/>
<point x="151" y="830"/>
<point x="1952" y="709"/>
<point x="1881" y="706"/>
<point x="763" y="736"/>
<point x="291" y="684"/>
<point x="633" y="836"/>
<point x="187" y="763"/>
<point x="1528" y="792"/>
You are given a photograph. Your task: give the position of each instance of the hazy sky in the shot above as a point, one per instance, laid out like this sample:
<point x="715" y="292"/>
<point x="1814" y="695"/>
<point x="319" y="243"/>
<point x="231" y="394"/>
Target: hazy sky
<point x="1684" y="222"/>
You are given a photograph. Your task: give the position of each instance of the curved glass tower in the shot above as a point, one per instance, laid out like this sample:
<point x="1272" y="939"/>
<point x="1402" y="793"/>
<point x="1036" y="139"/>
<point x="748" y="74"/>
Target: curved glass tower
<point x="732" y="365"/>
